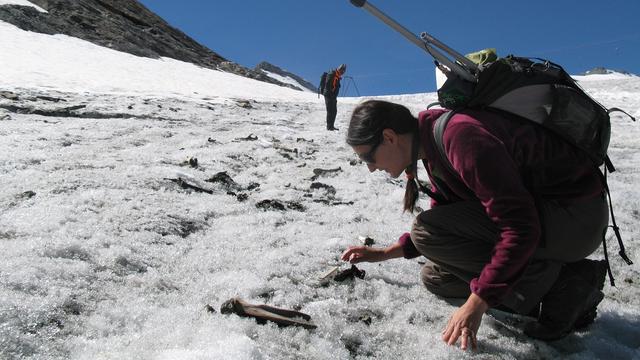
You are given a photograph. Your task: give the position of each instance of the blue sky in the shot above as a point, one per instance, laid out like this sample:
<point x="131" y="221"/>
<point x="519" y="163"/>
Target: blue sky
<point x="308" y="37"/>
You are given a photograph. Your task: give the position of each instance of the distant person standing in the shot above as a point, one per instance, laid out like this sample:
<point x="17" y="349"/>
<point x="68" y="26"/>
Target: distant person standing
<point x="330" y="87"/>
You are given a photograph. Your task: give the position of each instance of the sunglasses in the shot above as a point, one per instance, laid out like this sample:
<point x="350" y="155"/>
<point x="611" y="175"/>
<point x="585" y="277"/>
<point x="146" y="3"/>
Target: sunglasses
<point x="368" y="156"/>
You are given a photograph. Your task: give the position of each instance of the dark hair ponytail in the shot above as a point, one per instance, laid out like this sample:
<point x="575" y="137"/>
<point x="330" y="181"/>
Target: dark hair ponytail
<point x="412" y="192"/>
<point x="370" y="118"/>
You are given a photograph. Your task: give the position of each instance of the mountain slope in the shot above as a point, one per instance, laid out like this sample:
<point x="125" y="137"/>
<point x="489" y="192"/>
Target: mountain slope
<point x="68" y="63"/>
<point x="123" y="25"/>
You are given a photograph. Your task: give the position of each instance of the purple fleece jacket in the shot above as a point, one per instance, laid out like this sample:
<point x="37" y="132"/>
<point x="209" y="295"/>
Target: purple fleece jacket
<point x="505" y="163"/>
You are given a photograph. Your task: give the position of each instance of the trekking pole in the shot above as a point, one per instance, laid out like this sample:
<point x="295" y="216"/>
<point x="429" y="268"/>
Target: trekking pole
<point x="345" y="89"/>
<point x="354" y="84"/>
<point x="465" y="68"/>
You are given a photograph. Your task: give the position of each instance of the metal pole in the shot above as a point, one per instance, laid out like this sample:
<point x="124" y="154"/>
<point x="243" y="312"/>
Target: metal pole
<point x="427" y="38"/>
<point x="354" y="84"/>
<point x="466" y="71"/>
<point x="345" y="89"/>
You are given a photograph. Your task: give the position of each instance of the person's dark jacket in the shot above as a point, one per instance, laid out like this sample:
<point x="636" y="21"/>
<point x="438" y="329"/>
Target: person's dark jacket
<point x="509" y="165"/>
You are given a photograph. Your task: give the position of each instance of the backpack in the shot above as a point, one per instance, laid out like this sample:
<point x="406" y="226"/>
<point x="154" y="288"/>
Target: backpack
<point x="326" y="84"/>
<point x="323" y="80"/>
<point x="539" y="91"/>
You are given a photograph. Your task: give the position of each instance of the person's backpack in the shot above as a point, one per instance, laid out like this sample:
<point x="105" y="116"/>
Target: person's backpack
<point x="323" y="81"/>
<point x="539" y="91"/>
<point x="326" y="84"/>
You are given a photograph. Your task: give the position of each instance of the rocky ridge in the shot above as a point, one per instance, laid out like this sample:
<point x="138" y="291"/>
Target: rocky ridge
<point x="265" y="66"/>
<point x="603" y="71"/>
<point x="123" y="25"/>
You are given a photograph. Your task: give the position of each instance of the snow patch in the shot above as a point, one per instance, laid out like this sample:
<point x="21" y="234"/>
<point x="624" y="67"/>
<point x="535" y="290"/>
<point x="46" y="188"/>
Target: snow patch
<point x="23" y="3"/>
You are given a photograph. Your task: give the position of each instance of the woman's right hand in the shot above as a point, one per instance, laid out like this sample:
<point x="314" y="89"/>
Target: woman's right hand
<point x="356" y="254"/>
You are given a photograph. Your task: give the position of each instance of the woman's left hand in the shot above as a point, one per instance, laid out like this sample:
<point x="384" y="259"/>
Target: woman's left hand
<point x="465" y="322"/>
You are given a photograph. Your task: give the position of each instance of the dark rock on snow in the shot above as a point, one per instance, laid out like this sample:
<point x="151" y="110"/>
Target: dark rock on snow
<point x="350" y="273"/>
<point x="270" y="204"/>
<point x="224" y="179"/>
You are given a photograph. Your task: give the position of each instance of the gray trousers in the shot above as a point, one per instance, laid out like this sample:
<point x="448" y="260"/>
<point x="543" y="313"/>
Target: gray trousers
<point x="459" y="238"/>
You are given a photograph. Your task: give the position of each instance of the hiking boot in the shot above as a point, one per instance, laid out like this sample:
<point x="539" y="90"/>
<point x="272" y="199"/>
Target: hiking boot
<point x="571" y="298"/>
<point x="596" y="278"/>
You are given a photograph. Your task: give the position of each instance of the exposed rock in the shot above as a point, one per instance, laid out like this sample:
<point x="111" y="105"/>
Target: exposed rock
<point x="224" y="179"/>
<point x="245" y="104"/>
<point x="186" y="185"/>
<point x="330" y="190"/>
<point x="232" y="67"/>
<point x="71" y="112"/>
<point x="350" y="273"/>
<point x="26" y="195"/>
<point x="49" y="98"/>
<point x="9" y="95"/>
<point x="602" y="71"/>
<point x="265" y="66"/>
<point x="270" y="204"/>
<point x="192" y="162"/>
<point x="366" y="240"/>
<point x="4" y="115"/>
<point x="250" y="137"/>
<point x="324" y="172"/>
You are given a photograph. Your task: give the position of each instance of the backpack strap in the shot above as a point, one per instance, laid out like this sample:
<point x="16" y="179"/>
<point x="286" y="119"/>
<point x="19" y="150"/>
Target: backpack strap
<point x="438" y="136"/>
<point x="608" y="164"/>
<point x="614" y="109"/>
<point x="616" y="231"/>
<point x="440" y="125"/>
<point x="433" y="104"/>
<point x="607" y="161"/>
<point x="323" y="80"/>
